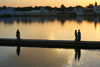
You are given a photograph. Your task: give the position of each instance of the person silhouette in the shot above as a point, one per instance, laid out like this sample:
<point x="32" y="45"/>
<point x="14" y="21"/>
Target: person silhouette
<point x="79" y="35"/>
<point x="18" y="34"/>
<point x="75" y="35"/>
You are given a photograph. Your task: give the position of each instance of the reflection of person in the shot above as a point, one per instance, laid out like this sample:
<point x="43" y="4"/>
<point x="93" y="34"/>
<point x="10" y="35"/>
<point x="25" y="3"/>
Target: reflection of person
<point x="75" y="35"/>
<point x="77" y="54"/>
<point x="18" y="50"/>
<point x="18" y="34"/>
<point x="79" y="35"/>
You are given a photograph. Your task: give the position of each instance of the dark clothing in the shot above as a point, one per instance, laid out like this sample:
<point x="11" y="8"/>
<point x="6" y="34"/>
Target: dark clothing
<point x="18" y="35"/>
<point x="76" y="35"/>
<point x="79" y="36"/>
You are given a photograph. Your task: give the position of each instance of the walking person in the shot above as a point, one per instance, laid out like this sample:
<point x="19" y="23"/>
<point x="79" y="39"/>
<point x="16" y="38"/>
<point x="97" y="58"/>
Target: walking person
<point x="18" y="34"/>
<point x="75" y="35"/>
<point x="79" y="35"/>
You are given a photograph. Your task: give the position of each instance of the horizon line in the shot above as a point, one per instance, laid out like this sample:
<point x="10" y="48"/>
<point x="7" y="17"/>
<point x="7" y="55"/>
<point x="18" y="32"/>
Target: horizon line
<point x="50" y="6"/>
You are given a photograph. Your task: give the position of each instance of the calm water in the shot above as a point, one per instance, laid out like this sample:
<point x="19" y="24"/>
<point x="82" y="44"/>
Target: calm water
<point x="48" y="57"/>
<point x="49" y="28"/>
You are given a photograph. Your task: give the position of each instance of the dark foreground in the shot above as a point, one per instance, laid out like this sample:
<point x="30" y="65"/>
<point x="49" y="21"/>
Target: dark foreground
<point x="50" y="43"/>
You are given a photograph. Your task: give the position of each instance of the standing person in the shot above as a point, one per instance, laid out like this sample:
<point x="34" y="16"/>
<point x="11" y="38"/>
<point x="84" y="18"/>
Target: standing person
<point x="75" y="35"/>
<point x="18" y="34"/>
<point x="79" y="35"/>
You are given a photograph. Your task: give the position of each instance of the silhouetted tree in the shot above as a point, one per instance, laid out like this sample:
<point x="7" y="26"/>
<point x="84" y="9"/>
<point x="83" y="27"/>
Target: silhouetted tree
<point x="48" y="8"/>
<point x="4" y="7"/>
<point x="37" y="8"/>
<point x="90" y="6"/>
<point x="78" y="6"/>
<point x="62" y="7"/>
<point x="70" y="8"/>
<point x="55" y="8"/>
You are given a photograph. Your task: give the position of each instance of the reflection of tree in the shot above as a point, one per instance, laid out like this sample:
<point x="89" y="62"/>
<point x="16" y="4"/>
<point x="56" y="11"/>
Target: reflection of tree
<point x="79" y="18"/>
<point x="26" y="20"/>
<point x="77" y="54"/>
<point x="95" y="22"/>
<point x="30" y="21"/>
<point x="18" y="21"/>
<point x="62" y="19"/>
<point x="89" y="18"/>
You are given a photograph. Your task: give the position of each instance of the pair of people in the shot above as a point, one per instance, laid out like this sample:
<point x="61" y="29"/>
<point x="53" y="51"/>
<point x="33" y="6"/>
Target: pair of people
<point x="77" y="35"/>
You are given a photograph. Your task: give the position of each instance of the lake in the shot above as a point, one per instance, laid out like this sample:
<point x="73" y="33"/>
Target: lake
<point x="48" y="57"/>
<point x="50" y="28"/>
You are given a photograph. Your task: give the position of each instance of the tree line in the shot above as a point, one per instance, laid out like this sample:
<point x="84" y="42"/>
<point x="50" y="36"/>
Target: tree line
<point x="61" y="8"/>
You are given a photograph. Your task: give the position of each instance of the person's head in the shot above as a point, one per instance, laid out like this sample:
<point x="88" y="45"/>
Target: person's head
<point x="79" y="30"/>
<point x="75" y="30"/>
<point x="17" y="29"/>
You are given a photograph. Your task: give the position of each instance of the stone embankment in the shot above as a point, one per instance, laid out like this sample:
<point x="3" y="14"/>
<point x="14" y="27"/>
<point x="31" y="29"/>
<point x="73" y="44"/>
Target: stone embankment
<point x="50" y="43"/>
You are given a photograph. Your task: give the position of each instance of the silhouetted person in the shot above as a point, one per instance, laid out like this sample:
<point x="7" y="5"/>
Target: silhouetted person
<point x="77" y="54"/>
<point x="75" y="35"/>
<point x="18" y="50"/>
<point x="79" y="35"/>
<point x="18" y="34"/>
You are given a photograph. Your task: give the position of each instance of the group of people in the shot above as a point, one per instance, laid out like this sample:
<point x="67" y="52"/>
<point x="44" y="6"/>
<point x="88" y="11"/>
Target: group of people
<point x="77" y="35"/>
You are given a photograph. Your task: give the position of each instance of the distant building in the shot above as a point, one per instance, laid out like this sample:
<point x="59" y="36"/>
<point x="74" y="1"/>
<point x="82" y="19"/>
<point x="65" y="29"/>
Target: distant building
<point x="88" y="11"/>
<point x="79" y="11"/>
<point x="7" y="10"/>
<point x="44" y="10"/>
<point x="96" y="8"/>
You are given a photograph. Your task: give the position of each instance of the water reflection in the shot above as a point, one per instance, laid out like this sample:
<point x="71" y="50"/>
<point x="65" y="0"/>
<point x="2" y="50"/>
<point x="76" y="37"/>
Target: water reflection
<point x="40" y="57"/>
<point x="18" y="50"/>
<point x="48" y="57"/>
<point x="51" y="28"/>
<point x="7" y="20"/>
<point x="79" y="19"/>
<point x="77" y="54"/>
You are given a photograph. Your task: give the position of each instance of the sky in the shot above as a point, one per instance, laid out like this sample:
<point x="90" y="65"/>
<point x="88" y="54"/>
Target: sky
<point x="52" y="3"/>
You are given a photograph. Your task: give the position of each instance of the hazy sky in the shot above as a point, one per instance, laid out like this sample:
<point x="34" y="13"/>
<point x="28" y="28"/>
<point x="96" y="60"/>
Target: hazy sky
<point x="53" y="3"/>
